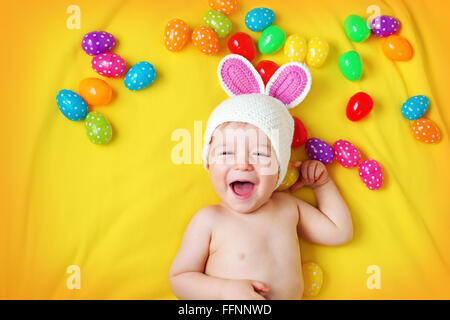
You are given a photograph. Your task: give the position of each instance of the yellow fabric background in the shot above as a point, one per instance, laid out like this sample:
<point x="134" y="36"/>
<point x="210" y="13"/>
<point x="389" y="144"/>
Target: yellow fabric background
<point x="119" y="211"/>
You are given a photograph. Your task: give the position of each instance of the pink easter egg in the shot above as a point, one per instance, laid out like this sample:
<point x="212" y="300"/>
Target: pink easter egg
<point x="108" y="65"/>
<point x="371" y="174"/>
<point x="346" y="154"/>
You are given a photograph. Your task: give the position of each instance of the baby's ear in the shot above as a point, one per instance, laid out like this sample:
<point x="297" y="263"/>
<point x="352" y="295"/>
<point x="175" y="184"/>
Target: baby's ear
<point x="290" y="84"/>
<point x="238" y="76"/>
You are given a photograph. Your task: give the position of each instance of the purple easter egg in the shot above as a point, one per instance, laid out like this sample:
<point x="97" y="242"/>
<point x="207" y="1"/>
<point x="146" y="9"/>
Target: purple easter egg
<point x="371" y="174"/>
<point x="346" y="154"/>
<point x="384" y="26"/>
<point x="319" y="150"/>
<point x="97" y="42"/>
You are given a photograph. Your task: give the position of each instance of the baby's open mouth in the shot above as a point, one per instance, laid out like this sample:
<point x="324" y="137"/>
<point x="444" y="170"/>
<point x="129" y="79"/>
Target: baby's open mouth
<point x="242" y="189"/>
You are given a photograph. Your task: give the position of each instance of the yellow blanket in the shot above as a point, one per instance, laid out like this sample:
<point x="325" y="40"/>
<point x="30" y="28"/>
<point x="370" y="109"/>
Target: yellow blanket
<point x="117" y="212"/>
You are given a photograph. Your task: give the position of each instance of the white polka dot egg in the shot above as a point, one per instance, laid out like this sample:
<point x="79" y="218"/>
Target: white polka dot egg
<point x="346" y="154"/>
<point x="259" y="18"/>
<point x="312" y="279"/>
<point x="371" y="174"/>
<point x="218" y="22"/>
<point x="140" y="76"/>
<point x="109" y="65"/>
<point x="71" y="105"/>
<point x="98" y="129"/>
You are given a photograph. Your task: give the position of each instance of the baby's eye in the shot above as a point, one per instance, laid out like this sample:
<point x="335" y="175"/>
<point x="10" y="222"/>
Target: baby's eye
<point x="260" y="154"/>
<point x="224" y="153"/>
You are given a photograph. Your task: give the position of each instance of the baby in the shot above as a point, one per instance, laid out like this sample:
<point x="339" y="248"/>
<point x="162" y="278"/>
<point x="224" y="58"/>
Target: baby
<point x="247" y="246"/>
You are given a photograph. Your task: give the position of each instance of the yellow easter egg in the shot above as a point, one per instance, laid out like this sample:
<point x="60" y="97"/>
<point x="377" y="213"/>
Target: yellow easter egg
<point x="290" y="178"/>
<point x="312" y="278"/>
<point x="317" y="52"/>
<point x="295" y="48"/>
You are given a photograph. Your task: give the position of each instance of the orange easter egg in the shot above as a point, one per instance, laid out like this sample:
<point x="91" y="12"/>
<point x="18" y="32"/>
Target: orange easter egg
<point x="397" y="48"/>
<point x="425" y="131"/>
<point x="205" y="40"/>
<point x="95" y="91"/>
<point x="225" y="6"/>
<point x="176" y="35"/>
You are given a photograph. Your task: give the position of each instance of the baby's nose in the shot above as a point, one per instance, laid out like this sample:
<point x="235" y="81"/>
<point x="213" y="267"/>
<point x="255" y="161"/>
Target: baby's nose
<point x="243" y="163"/>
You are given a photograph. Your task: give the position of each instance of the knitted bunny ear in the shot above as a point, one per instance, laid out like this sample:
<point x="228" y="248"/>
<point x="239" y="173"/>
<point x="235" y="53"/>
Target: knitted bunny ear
<point x="238" y="76"/>
<point x="290" y="84"/>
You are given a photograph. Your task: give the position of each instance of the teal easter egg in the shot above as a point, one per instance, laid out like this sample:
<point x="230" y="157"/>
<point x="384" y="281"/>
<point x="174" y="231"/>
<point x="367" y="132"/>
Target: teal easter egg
<point x="350" y="65"/>
<point x="415" y="107"/>
<point x="140" y="76"/>
<point x="356" y="28"/>
<point x="259" y="18"/>
<point x="271" y="40"/>
<point x="71" y="105"/>
<point x="98" y="129"/>
<point x="218" y="22"/>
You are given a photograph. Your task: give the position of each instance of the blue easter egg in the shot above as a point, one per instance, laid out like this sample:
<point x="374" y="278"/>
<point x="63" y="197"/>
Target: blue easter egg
<point x="415" y="107"/>
<point x="141" y="75"/>
<point x="259" y="18"/>
<point x="72" y="106"/>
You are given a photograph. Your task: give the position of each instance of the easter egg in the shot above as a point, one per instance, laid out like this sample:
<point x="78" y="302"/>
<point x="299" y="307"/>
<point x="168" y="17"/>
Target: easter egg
<point x="225" y="6"/>
<point x="319" y="150"/>
<point x="359" y="106"/>
<point x="98" y="129"/>
<point x="271" y="40"/>
<point x="356" y="28"/>
<point x="317" y="52"/>
<point x="300" y="133"/>
<point x="384" y="26"/>
<point x="259" y="18"/>
<point x="415" y="107"/>
<point x="295" y="48"/>
<point x="350" y="65"/>
<point x="425" y="131"/>
<point x="242" y="44"/>
<point x="141" y="75"/>
<point x="312" y="279"/>
<point x="109" y="65"/>
<point x="266" y="69"/>
<point x="97" y="42"/>
<point x="218" y="22"/>
<point x="95" y="91"/>
<point x="176" y="35"/>
<point x="291" y="177"/>
<point x="71" y="105"/>
<point x="371" y="174"/>
<point x="205" y="40"/>
<point x="397" y="48"/>
<point x="346" y="154"/>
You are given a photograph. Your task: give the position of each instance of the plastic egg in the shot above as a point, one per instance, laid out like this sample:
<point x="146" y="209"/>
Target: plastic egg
<point x="271" y="40"/>
<point x="385" y="26"/>
<point x="295" y="48"/>
<point x="346" y="154"/>
<point x="350" y="65"/>
<point x="291" y="177"/>
<point x="319" y="150"/>
<point x="108" y="65"/>
<point x="425" y="131"/>
<point x="242" y="44"/>
<point x="300" y="133"/>
<point x="359" y="106"/>
<point x="71" y="105"/>
<point x="397" y="48"/>
<point x="140" y="76"/>
<point x="97" y="42"/>
<point x="218" y="22"/>
<point x="312" y="279"/>
<point x="98" y="129"/>
<point x="259" y="18"/>
<point x="266" y="69"/>
<point x="356" y="28"/>
<point x="225" y="6"/>
<point x="317" y="52"/>
<point x="95" y="91"/>
<point x="415" y="107"/>
<point x="176" y="35"/>
<point x="205" y="40"/>
<point x="371" y="174"/>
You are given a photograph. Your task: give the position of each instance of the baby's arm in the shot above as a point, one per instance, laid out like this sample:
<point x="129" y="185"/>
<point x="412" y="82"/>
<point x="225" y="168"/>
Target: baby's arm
<point x="330" y="223"/>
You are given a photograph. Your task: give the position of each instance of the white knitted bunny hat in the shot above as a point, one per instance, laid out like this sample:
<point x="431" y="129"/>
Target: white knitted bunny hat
<point x="263" y="107"/>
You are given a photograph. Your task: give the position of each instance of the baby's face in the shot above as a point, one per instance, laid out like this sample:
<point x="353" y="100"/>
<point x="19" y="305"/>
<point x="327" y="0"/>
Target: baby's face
<point x="243" y="167"/>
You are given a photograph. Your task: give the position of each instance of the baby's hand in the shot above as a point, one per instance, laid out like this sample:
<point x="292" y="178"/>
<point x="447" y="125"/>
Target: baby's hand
<point x="244" y="290"/>
<point x="312" y="173"/>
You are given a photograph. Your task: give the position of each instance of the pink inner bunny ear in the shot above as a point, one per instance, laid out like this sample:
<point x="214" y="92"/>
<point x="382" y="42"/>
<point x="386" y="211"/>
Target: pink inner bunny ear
<point x="290" y="84"/>
<point x="238" y="76"/>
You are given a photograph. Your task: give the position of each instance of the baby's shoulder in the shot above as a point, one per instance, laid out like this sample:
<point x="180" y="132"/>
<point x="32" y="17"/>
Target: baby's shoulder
<point x="283" y="198"/>
<point x="206" y="215"/>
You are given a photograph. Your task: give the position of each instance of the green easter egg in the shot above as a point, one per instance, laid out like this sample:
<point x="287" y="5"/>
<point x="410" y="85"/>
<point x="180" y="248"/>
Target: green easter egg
<point x="218" y="22"/>
<point x="350" y="65"/>
<point x="356" y="28"/>
<point x="98" y="129"/>
<point x="271" y="40"/>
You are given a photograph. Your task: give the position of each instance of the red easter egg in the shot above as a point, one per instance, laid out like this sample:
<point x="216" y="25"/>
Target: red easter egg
<point x="266" y="69"/>
<point x="300" y="133"/>
<point x="242" y="44"/>
<point x="359" y="106"/>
